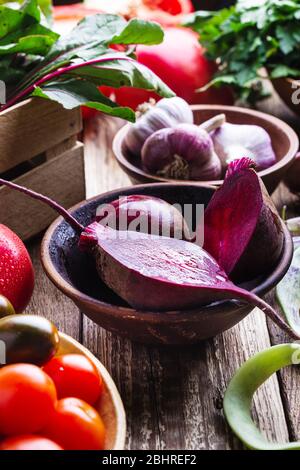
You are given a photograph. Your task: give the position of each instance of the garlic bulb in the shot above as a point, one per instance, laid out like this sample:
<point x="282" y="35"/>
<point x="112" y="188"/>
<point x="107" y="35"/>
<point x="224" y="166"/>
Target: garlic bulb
<point x="168" y="112"/>
<point x="183" y="152"/>
<point x="234" y="141"/>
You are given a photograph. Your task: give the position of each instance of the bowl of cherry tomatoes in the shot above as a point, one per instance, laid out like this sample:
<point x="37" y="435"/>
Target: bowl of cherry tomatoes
<point x="58" y="398"/>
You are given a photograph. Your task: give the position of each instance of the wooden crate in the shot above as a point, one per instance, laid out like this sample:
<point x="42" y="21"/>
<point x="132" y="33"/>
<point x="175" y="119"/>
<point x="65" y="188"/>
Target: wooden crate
<point x="39" y="150"/>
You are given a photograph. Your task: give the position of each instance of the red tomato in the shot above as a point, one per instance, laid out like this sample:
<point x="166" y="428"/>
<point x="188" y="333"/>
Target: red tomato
<point x="28" y="442"/>
<point x="74" y="375"/>
<point x="27" y="399"/>
<point x="76" y="426"/>
<point x="180" y="62"/>
<point x="173" y="7"/>
<point x="165" y="12"/>
<point x="16" y="271"/>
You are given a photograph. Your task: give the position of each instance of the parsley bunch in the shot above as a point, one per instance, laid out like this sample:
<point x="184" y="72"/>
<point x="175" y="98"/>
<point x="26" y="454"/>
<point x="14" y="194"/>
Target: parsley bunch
<point x="251" y="36"/>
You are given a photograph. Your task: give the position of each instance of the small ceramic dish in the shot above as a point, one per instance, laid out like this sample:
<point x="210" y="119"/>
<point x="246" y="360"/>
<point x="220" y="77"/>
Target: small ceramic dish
<point x="74" y="273"/>
<point x="289" y="91"/>
<point x="284" y="140"/>
<point x="110" y="406"/>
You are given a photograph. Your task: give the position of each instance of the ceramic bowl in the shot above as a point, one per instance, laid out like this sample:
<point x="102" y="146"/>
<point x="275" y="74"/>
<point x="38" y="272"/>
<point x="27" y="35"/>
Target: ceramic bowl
<point x="285" y="143"/>
<point x="289" y="91"/>
<point x="74" y="273"/>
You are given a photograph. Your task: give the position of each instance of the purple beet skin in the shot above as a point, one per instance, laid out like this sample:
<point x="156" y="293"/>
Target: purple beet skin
<point x="146" y="214"/>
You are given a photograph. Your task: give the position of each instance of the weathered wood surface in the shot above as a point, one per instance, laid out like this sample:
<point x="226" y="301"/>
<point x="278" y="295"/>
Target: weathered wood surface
<point x="173" y="396"/>
<point x="61" y="178"/>
<point x="32" y="127"/>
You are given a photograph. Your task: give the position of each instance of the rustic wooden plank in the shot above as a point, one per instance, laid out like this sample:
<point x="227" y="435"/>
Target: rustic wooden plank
<point x="190" y="385"/>
<point x="102" y="172"/>
<point x="49" y="302"/>
<point x="173" y="395"/>
<point x="60" y="148"/>
<point x="128" y="363"/>
<point x="61" y="178"/>
<point x="130" y="366"/>
<point x="289" y="378"/>
<point x="32" y="127"/>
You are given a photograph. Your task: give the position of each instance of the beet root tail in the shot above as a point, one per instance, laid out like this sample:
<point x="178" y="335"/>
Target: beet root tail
<point x="46" y="200"/>
<point x="269" y="311"/>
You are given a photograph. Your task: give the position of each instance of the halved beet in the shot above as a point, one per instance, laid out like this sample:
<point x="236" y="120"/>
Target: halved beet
<point x="242" y="229"/>
<point x="145" y="214"/>
<point x="157" y="273"/>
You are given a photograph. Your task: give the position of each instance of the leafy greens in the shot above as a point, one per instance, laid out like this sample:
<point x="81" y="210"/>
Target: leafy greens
<point x="249" y="36"/>
<point x="35" y="61"/>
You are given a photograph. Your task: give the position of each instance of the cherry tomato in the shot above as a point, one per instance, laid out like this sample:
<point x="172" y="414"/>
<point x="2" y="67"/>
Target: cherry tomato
<point x="27" y="399"/>
<point x="16" y="271"/>
<point x="174" y="7"/>
<point x="28" y="442"/>
<point x="76" y="426"/>
<point x="74" y="375"/>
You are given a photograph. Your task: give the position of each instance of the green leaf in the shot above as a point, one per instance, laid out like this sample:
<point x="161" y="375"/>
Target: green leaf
<point x="74" y="93"/>
<point x="91" y="37"/>
<point x="32" y="30"/>
<point x="139" y="32"/>
<point x="288" y="293"/>
<point x="286" y="40"/>
<point x="45" y="6"/>
<point x="119" y="73"/>
<point x="284" y="71"/>
<point x="30" y="7"/>
<point x="28" y="45"/>
<point x="90" y="32"/>
<point x="9" y="20"/>
<point x="12" y="20"/>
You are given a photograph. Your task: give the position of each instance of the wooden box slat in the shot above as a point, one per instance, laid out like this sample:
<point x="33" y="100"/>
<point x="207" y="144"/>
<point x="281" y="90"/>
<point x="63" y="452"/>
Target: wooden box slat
<point x="41" y="136"/>
<point x="32" y="127"/>
<point x="61" y="178"/>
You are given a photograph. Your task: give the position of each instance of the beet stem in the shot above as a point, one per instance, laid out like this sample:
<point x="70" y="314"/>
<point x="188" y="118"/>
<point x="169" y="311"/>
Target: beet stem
<point x="269" y="311"/>
<point x="46" y="200"/>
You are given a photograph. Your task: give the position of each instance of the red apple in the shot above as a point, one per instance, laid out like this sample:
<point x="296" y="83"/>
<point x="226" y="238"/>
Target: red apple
<point x="16" y="270"/>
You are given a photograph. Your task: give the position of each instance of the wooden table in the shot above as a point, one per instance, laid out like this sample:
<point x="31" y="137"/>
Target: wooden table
<point x="173" y="396"/>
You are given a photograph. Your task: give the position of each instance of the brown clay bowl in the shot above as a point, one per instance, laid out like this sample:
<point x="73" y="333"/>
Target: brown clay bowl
<point x="284" y="140"/>
<point x="285" y="88"/>
<point x="74" y="273"/>
<point x="110" y="406"/>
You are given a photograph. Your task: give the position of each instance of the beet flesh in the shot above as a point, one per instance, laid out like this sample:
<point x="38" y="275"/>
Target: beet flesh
<point x="231" y="216"/>
<point x="155" y="273"/>
<point x="242" y="229"/>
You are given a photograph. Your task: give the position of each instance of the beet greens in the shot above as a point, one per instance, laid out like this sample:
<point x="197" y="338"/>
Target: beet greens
<point x="35" y="61"/>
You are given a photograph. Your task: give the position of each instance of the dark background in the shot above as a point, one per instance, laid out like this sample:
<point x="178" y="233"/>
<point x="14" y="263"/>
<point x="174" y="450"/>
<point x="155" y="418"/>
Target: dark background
<point x="212" y="4"/>
<point x="199" y="4"/>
